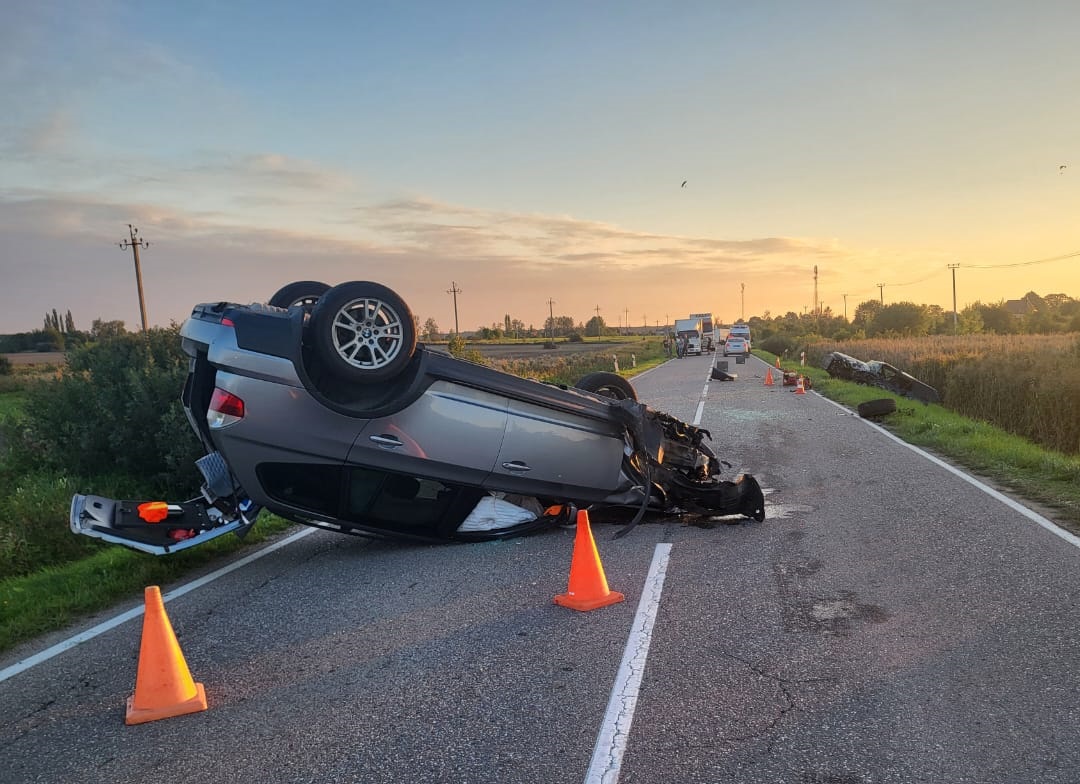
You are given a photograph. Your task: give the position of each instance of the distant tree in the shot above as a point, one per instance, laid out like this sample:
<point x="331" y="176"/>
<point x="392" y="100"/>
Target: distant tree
<point x="506" y="324"/>
<point x="997" y="318"/>
<point x="52" y="340"/>
<point x="563" y="325"/>
<point x="970" y="321"/>
<point x="69" y="323"/>
<point x="900" y="318"/>
<point x="104" y="330"/>
<point x="431" y="329"/>
<point x="517" y="327"/>
<point x="865" y="313"/>
<point x="595" y="327"/>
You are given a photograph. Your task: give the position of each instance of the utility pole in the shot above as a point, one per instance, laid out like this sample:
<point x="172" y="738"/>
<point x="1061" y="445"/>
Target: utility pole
<point x="881" y="292"/>
<point x="954" y="324"/>
<point x="742" y="303"/>
<point x="455" y="291"/>
<point x="551" y="313"/>
<point x="135" y="243"/>
<point x="815" y="289"/>
<point x="845" y="306"/>
<point x="598" y="330"/>
<point x="626" y="315"/>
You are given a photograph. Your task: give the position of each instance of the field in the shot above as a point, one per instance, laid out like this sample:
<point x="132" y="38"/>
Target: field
<point x="55" y="358"/>
<point x="1028" y="385"/>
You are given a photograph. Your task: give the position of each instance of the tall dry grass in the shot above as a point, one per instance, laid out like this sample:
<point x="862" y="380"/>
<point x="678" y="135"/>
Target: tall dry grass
<point x="1028" y="385"/>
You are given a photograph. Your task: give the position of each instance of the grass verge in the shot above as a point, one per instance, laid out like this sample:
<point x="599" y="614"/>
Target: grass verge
<point x="1009" y="463"/>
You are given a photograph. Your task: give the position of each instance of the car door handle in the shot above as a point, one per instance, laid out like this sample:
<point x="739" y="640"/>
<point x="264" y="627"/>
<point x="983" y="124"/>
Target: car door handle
<point x="516" y="465"/>
<point x="385" y="441"/>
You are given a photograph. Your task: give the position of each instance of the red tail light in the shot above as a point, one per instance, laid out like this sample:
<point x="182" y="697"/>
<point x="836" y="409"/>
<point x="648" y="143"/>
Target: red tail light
<point x="225" y="409"/>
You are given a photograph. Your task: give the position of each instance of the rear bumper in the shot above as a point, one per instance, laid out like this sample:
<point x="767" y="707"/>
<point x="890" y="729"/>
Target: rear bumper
<point x="186" y="524"/>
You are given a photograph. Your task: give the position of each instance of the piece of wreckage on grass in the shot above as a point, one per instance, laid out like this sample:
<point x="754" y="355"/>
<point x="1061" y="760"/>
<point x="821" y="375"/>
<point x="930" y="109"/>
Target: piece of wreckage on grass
<point x="321" y="407"/>
<point x="879" y="374"/>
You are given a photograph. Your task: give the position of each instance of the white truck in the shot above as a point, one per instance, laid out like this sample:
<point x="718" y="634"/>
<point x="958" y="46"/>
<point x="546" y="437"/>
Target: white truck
<point x="690" y="330"/>
<point x="708" y="330"/>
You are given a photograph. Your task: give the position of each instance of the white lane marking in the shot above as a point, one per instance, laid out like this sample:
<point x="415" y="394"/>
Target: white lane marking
<point x="701" y="403"/>
<point x="101" y="628"/>
<point x="1035" y="517"/>
<point x="697" y="414"/>
<point x="611" y="741"/>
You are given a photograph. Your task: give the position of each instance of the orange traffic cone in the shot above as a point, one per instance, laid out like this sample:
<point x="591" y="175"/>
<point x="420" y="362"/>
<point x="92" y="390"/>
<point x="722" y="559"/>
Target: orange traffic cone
<point x="768" y="378"/>
<point x="799" y="388"/>
<point x="163" y="686"/>
<point x="588" y="587"/>
<point x="778" y="361"/>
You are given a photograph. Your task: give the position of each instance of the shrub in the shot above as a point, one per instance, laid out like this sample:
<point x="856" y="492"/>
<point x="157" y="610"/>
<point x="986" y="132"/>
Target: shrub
<point x="778" y="344"/>
<point x="575" y="337"/>
<point x="5" y="366"/>
<point x="116" y="407"/>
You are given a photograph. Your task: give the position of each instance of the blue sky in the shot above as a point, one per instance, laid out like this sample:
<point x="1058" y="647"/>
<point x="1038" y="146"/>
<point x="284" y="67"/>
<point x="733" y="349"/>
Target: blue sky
<point x="528" y="151"/>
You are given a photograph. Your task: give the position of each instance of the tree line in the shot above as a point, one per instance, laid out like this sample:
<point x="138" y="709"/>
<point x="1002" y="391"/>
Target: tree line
<point x="59" y="333"/>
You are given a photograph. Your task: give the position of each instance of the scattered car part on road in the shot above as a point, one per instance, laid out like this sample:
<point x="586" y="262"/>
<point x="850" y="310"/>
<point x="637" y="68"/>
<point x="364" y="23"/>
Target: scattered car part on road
<point x="876" y="408"/>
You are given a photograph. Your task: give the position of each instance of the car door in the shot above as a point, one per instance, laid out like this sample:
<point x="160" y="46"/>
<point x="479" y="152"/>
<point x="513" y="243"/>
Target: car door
<point x="555" y="453"/>
<point x="452" y="433"/>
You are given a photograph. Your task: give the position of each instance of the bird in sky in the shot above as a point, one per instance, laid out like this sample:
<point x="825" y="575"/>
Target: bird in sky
<point x="1061" y="170"/>
<point x="683" y="184"/>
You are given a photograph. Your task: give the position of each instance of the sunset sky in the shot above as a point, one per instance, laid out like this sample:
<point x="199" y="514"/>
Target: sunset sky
<point x="528" y="151"/>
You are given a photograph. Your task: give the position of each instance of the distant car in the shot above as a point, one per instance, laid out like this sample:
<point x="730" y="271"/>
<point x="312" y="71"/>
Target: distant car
<point x="879" y="374"/>
<point x="734" y="346"/>
<point x="321" y="407"/>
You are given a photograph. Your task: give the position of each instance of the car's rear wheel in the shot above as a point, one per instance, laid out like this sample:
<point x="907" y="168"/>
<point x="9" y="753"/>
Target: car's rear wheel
<point x="303" y="292"/>
<point x="362" y="332"/>
<point x="876" y="408"/>
<point x="607" y="384"/>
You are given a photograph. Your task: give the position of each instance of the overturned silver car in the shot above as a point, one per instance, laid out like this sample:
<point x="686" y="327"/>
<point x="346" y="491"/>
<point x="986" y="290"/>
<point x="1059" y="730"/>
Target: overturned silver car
<point x="879" y="374"/>
<point x="320" y="406"/>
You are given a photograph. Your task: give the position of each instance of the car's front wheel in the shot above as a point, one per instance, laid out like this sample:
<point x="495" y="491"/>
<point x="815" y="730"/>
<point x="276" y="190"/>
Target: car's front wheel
<point x="363" y="332"/>
<point x="607" y="384"/>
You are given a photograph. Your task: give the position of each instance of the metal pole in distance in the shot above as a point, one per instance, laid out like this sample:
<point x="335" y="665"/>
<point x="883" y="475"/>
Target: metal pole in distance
<point x="551" y="315"/>
<point x="135" y="243"/>
<point x="455" y="291"/>
<point x="954" y="324"/>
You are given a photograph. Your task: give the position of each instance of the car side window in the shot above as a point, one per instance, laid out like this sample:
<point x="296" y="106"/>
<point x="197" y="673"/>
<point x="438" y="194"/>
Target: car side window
<point x="316" y="487"/>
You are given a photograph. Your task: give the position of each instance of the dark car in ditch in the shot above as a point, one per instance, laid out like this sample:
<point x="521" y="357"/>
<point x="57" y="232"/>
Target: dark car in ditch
<point x="879" y="374"/>
<point x="321" y="407"/>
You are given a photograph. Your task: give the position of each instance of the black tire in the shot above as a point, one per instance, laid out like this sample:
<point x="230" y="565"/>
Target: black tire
<point x="362" y="332"/>
<point x="876" y="408"/>
<point x="303" y="292"/>
<point x="607" y="384"/>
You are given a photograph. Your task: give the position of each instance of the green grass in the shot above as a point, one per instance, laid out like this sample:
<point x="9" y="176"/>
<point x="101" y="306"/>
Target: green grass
<point x="1008" y="462"/>
<point x="11" y="402"/>
<point x="52" y="598"/>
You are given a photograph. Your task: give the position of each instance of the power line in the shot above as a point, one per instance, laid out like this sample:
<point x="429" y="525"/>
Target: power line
<point x="1072" y="255"/>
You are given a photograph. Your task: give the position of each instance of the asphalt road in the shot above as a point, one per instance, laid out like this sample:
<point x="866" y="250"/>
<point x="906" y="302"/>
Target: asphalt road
<point x="888" y="622"/>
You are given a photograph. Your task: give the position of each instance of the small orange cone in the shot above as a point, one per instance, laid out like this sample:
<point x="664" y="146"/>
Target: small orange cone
<point x="163" y="686"/>
<point x="588" y="586"/>
<point x="768" y="378"/>
<point x="778" y="361"/>
<point x="799" y="388"/>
